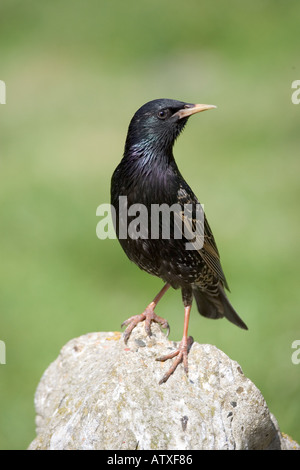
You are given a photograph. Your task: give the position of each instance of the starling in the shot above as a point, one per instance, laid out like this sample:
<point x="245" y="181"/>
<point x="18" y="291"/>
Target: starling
<point x="148" y="176"/>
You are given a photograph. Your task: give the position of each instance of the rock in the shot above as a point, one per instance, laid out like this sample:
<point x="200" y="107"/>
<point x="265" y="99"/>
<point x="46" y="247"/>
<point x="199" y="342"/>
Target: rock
<point x="101" y="394"/>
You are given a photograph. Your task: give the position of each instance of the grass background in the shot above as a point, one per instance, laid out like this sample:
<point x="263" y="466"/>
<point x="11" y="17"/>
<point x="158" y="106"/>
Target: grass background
<point x="75" y="73"/>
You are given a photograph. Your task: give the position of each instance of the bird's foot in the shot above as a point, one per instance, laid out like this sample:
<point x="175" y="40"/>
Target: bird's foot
<point x="182" y="356"/>
<point x="149" y="316"/>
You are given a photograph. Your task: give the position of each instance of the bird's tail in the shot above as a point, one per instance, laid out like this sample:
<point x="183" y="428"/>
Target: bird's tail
<point x="217" y="306"/>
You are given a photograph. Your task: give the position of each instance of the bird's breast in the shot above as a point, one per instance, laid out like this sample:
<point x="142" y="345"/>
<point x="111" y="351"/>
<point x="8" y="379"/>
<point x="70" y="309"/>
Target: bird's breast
<point x="144" y="202"/>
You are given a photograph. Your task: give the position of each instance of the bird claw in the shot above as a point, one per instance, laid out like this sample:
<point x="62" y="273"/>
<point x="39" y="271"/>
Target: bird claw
<point x="182" y="356"/>
<point x="149" y="316"/>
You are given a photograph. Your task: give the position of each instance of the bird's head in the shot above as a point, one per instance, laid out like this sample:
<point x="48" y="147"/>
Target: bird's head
<point x="159" y="122"/>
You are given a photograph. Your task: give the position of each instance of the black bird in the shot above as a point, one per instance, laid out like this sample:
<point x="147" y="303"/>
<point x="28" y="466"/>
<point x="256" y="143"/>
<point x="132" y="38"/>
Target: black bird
<point x="147" y="175"/>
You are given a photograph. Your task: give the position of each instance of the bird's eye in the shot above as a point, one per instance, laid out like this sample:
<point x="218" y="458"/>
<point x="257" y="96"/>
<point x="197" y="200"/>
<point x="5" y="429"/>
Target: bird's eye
<point x="163" y="114"/>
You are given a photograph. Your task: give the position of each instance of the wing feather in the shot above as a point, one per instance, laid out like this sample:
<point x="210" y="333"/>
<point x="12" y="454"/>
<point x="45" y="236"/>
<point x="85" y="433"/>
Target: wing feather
<point x="204" y="238"/>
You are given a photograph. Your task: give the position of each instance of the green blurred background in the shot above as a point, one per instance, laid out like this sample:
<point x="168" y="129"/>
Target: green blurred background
<point x="75" y="73"/>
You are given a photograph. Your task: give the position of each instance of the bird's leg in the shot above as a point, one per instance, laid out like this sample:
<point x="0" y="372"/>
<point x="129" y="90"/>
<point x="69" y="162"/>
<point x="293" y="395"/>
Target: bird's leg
<point x="182" y="351"/>
<point x="148" y="315"/>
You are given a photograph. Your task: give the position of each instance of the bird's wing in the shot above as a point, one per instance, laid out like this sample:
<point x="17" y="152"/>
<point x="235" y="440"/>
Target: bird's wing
<point x="198" y="232"/>
<point x="210" y="253"/>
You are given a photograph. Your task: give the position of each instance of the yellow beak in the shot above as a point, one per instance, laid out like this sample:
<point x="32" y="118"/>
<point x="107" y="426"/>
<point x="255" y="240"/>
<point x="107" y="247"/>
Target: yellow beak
<point x="190" y="109"/>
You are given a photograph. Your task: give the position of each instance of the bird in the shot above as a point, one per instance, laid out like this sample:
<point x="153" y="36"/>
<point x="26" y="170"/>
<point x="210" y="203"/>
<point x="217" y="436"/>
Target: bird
<point x="148" y="176"/>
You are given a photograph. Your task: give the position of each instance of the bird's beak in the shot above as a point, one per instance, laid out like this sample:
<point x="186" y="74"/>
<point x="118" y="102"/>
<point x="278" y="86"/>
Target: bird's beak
<point x="190" y="109"/>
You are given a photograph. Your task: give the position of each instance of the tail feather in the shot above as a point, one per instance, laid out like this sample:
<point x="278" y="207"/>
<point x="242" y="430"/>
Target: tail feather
<point x="217" y="306"/>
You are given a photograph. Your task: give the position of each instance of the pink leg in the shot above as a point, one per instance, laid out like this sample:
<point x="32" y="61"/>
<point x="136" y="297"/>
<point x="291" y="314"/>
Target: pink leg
<point x="182" y="351"/>
<point x="148" y="315"/>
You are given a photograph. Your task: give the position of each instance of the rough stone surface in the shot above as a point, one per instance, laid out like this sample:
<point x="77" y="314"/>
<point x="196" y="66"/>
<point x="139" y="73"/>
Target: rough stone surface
<point x="101" y="394"/>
